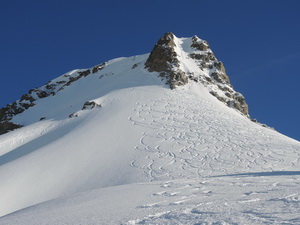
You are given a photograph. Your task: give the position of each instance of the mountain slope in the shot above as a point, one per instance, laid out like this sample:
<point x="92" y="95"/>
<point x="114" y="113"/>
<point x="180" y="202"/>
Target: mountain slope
<point x="143" y="127"/>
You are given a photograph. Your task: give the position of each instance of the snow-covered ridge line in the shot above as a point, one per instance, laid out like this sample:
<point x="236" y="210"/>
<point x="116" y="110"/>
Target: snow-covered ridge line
<point x="177" y="60"/>
<point x="49" y="89"/>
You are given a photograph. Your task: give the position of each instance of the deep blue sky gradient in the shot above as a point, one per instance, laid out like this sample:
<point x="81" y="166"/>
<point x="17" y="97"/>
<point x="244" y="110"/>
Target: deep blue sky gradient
<point x="258" y="41"/>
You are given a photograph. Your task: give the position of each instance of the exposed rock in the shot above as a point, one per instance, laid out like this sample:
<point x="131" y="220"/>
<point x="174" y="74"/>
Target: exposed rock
<point x="28" y="100"/>
<point x="27" y="97"/>
<point x="177" y="78"/>
<point x="163" y="59"/>
<point x="220" y="77"/>
<point x="42" y="94"/>
<point x="10" y="110"/>
<point x="8" y="126"/>
<point x="199" y="44"/>
<point x="162" y="55"/>
<point x="220" y="66"/>
<point x="90" y="105"/>
<point x="61" y="82"/>
<point x="50" y="86"/>
<point x="73" y="115"/>
<point x="84" y="73"/>
<point x="26" y="105"/>
<point x="72" y="79"/>
<point x="134" y="66"/>
<point x="240" y="103"/>
<point x="98" y="67"/>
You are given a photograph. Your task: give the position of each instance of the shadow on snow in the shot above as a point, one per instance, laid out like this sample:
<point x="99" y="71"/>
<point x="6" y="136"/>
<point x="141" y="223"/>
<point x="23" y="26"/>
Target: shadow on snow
<point x="262" y="174"/>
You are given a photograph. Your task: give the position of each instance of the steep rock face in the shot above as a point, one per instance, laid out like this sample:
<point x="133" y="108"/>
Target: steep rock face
<point x="217" y="80"/>
<point x="163" y="59"/>
<point x="169" y="57"/>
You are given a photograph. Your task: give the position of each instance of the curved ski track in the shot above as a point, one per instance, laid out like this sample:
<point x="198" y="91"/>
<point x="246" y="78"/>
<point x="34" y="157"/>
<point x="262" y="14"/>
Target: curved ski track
<point x="203" y="141"/>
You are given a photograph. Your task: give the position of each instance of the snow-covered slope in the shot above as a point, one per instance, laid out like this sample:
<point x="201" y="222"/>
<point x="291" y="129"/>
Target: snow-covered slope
<point x="114" y="144"/>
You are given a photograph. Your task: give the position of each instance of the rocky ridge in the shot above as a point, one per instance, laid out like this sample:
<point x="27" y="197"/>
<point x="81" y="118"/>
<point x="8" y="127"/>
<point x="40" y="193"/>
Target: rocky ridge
<point x="163" y="59"/>
<point x="167" y="58"/>
<point x="50" y="89"/>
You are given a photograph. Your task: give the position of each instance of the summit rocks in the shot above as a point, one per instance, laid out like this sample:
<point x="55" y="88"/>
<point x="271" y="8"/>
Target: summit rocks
<point x="180" y="60"/>
<point x="164" y="59"/>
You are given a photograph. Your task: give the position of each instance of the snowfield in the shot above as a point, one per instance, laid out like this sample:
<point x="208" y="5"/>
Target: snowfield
<point x="145" y="154"/>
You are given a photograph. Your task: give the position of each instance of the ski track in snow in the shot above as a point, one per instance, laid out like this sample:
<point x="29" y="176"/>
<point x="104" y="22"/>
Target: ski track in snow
<point x="193" y="139"/>
<point x="205" y="166"/>
<point x="247" y="201"/>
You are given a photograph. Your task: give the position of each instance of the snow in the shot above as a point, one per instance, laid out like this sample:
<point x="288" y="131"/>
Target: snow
<point x="148" y="155"/>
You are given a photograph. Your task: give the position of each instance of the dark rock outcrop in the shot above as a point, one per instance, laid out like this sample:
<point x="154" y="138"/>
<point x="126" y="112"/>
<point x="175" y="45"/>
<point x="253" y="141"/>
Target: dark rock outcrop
<point x="90" y="105"/>
<point x="163" y="59"/>
<point x="202" y="46"/>
<point x="98" y="67"/>
<point x="8" y="126"/>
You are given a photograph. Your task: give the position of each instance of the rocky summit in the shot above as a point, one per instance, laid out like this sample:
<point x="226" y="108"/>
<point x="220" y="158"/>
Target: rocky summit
<point x="165" y="59"/>
<point x="173" y="58"/>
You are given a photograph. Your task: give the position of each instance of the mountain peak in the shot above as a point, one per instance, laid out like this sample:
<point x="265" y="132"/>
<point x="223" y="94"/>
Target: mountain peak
<point x="164" y="59"/>
<point x="180" y="60"/>
<point x="199" y="44"/>
<point x="117" y="128"/>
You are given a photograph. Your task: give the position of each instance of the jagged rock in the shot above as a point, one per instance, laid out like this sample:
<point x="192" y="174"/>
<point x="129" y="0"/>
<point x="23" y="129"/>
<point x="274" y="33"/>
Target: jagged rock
<point x="26" y="105"/>
<point x="73" y="115"/>
<point x="98" y="67"/>
<point x="163" y="59"/>
<point x="238" y="102"/>
<point x="61" y="82"/>
<point x="72" y="79"/>
<point x="90" y="105"/>
<point x="8" y="126"/>
<point x="162" y="55"/>
<point x="220" y="66"/>
<point x="220" y="77"/>
<point x="84" y="73"/>
<point x="134" y="66"/>
<point x="42" y="94"/>
<point x="177" y="78"/>
<point x="50" y="86"/>
<point x="27" y="97"/>
<point x="199" y="44"/>
<point x="241" y="104"/>
<point x="28" y="100"/>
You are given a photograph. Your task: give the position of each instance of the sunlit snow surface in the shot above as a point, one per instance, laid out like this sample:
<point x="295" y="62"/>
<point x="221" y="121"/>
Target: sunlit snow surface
<point x="148" y="155"/>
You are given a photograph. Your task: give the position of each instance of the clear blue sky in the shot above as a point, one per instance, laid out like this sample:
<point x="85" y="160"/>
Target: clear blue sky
<point x="258" y="41"/>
